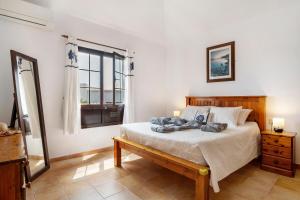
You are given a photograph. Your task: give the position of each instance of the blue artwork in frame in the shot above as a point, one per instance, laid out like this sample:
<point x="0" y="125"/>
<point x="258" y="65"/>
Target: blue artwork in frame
<point x="221" y="62"/>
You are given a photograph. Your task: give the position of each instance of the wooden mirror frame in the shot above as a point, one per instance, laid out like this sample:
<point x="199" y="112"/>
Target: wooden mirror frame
<point x="17" y="98"/>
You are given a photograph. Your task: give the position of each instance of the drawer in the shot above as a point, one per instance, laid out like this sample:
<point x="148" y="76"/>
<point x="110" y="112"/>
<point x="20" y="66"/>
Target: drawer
<point x="277" y="162"/>
<point x="277" y="140"/>
<point x="277" y="151"/>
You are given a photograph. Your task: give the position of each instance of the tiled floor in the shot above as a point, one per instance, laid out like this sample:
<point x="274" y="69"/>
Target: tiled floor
<point x="94" y="177"/>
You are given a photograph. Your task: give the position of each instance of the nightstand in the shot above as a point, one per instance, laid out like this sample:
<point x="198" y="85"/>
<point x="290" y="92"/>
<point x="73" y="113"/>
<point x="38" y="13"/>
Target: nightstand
<point x="278" y="152"/>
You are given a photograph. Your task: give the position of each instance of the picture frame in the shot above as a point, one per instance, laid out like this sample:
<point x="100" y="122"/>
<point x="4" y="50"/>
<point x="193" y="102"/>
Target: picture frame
<point x="220" y="61"/>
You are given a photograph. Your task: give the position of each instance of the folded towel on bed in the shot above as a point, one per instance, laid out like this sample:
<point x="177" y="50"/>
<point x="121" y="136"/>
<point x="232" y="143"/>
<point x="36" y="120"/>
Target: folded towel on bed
<point x="177" y="121"/>
<point x="170" y="124"/>
<point x="214" y="127"/>
<point x="168" y="120"/>
<point x="163" y="129"/>
<point x="160" y="120"/>
<point x="164" y="125"/>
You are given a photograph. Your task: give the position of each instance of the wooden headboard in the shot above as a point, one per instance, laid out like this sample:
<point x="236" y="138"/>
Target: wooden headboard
<point x="256" y="103"/>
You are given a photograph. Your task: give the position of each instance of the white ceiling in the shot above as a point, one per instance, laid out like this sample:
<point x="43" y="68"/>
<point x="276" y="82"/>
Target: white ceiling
<point x="143" y="18"/>
<point x="44" y="3"/>
<point x="187" y="20"/>
<point x="158" y="20"/>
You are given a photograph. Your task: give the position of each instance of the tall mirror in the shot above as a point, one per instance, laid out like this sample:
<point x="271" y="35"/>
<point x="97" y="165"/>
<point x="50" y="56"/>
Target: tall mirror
<point x="30" y="112"/>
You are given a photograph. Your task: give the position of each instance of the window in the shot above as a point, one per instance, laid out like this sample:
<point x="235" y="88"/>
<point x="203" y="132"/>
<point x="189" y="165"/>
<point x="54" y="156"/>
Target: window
<point x="102" y="87"/>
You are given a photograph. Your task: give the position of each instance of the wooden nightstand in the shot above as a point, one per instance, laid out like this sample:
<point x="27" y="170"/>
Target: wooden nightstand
<point x="278" y="152"/>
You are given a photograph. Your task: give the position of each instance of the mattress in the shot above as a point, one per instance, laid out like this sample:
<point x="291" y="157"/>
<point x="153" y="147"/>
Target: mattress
<point x="223" y="152"/>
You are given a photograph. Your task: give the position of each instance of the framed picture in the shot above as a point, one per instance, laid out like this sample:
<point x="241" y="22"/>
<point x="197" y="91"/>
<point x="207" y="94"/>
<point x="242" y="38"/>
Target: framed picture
<point x="220" y="62"/>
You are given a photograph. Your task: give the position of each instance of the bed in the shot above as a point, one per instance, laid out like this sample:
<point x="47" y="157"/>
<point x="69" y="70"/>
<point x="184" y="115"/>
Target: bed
<point x="200" y="160"/>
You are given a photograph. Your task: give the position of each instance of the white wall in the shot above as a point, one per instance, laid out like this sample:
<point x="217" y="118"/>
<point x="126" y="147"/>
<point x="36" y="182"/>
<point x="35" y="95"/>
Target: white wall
<point x="267" y="54"/>
<point x="48" y="48"/>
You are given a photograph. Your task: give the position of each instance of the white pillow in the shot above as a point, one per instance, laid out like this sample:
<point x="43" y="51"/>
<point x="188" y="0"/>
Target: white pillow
<point x="244" y="113"/>
<point x="190" y="112"/>
<point x="229" y="115"/>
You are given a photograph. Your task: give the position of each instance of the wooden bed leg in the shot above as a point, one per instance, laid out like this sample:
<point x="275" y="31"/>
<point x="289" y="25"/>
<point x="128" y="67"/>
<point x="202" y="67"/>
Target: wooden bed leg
<point x="202" y="187"/>
<point x="117" y="154"/>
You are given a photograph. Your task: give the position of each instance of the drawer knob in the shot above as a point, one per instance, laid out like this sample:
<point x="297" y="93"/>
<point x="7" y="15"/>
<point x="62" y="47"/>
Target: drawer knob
<point x="276" y="141"/>
<point x="275" y="162"/>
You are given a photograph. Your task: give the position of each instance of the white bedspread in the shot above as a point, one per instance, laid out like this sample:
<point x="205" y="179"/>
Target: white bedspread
<point x="224" y="152"/>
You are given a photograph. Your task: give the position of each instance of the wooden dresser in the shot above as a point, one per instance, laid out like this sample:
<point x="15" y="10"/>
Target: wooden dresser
<point x="12" y="160"/>
<point x="278" y="152"/>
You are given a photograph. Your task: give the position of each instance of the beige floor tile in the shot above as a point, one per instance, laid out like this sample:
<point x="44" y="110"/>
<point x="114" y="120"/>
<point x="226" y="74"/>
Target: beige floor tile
<point x="51" y="196"/>
<point x="289" y="183"/>
<point x="115" y="173"/>
<point x="95" y="181"/>
<point x="251" y="189"/>
<point x="41" y="187"/>
<point x="48" y="177"/>
<point x="78" y="187"/>
<point x="146" y="174"/>
<point x="103" y="175"/>
<point x="279" y="193"/>
<point x="179" y="191"/>
<point x="161" y="181"/>
<point x="85" y="195"/>
<point x="225" y="195"/>
<point x="124" y="195"/>
<point x="29" y="194"/>
<point x="131" y="181"/>
<point x="148" y="191"/>
<point x="110" y="188"/>
<point x="235" y="179"/>
<point x="90" y="177"/>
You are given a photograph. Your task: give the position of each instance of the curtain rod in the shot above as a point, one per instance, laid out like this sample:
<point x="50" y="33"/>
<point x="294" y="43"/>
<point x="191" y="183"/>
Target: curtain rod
<point x="82" y="40"/>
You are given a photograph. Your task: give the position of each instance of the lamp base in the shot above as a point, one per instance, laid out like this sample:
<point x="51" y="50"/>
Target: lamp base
<point x="278" y="130"/>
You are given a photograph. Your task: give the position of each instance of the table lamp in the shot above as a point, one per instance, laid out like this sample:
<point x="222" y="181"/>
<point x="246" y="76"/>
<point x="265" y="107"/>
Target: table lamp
<point x="176" y="113"/>
<point x="278" y="124"/>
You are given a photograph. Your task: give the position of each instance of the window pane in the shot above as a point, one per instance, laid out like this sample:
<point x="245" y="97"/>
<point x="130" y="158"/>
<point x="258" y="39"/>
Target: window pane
<point x="120" y="96"/>
<point x="107" y="80"/>
<point x="95" y="79"/>
<point x="107" y="96"/>
<point x="83" y="60"/>
<point x="122" y="66"/>
<point x="84" y="95"/>
<point x="118" y="66"/>
<point x="95" y="62"/>
<point x="84" y="78"/>
<point x="118" y="84"/>
<point x="118" y="76"/>
<point x="95" y="96"/>
<point x="123" y="82"/>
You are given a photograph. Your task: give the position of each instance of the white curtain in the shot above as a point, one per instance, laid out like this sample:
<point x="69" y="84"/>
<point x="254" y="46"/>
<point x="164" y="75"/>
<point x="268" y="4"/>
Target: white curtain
<point x="129" y="91"/>
<point x="72" y="92"/>
<point x="28" y="96"/>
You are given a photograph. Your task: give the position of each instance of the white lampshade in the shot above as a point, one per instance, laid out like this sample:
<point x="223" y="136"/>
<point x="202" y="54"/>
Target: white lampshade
<point x="278" y="123"/>
<point x="176" y="113"/>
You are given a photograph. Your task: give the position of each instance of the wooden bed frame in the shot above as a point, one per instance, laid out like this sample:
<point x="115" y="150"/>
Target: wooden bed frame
<point x="199" y="173"/>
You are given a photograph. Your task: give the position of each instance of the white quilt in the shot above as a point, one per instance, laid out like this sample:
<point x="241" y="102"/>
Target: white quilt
<point x="224" y="152"/>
